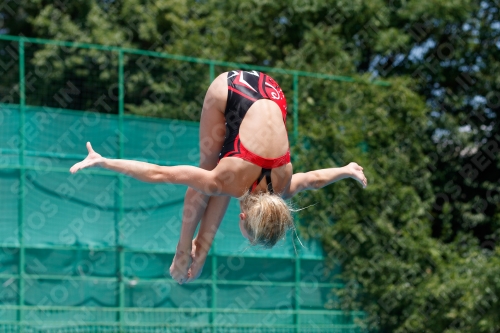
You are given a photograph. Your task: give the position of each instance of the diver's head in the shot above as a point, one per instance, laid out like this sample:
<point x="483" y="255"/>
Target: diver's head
<point x="264" y="218"/>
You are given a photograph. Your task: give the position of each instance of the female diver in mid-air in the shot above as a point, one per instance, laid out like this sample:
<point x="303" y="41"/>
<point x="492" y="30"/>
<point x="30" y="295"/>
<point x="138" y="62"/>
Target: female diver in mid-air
<point x="244" y="153"/>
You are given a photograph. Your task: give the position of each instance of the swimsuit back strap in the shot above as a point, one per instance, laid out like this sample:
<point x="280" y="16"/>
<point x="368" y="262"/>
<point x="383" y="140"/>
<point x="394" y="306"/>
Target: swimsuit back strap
<point x="267" y="173"/>
<point x="264" y="173"/>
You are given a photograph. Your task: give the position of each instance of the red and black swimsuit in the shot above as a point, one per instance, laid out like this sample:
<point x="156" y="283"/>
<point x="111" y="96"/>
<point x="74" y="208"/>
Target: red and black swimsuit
<point x="244" y="88"/>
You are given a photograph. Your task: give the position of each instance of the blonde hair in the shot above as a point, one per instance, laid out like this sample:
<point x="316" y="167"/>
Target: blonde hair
<point x="268" y="217"/>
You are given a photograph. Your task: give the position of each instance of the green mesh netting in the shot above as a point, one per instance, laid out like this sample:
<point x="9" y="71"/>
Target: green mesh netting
<point x="77" y="252"/>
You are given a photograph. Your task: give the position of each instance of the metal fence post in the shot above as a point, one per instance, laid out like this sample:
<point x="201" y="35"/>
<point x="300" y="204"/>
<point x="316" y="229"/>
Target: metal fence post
<point x="214" y="289"/>
<point x="213" y="304"/>
<point x="22" y="179"/>
<point x="297" y="256"/>
<point x="119" y="247"/>
<point x="212" y="72"/>
<point x="295" y="107"/>
<point x="297" y="291"/>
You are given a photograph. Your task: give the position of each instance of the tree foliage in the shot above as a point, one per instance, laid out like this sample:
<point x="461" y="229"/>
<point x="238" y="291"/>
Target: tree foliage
<point x="418" y="246"/>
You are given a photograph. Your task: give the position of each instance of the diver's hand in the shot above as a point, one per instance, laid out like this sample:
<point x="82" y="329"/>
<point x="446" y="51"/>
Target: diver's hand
<point x="355" y="171"/>
<point x="92" y="159"/>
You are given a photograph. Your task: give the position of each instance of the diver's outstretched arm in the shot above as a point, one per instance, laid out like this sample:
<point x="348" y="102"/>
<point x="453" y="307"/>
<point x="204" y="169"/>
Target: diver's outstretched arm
<point x="201" y="180"/>
<point x="317" y="179"/>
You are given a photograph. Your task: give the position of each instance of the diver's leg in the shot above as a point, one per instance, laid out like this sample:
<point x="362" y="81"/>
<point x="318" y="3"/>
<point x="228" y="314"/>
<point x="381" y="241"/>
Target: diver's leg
<point x="212" y="134"/>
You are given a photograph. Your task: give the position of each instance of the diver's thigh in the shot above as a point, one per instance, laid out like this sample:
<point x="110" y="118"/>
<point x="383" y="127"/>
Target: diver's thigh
<point x="213" y="123"/>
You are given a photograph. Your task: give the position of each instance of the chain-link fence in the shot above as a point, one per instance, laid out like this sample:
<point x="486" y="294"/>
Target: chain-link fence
<point x="90" y="252"/>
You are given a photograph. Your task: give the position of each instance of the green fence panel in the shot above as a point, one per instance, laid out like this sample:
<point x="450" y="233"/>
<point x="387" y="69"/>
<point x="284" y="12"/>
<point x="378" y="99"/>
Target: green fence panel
<point x="91" y="252"/>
